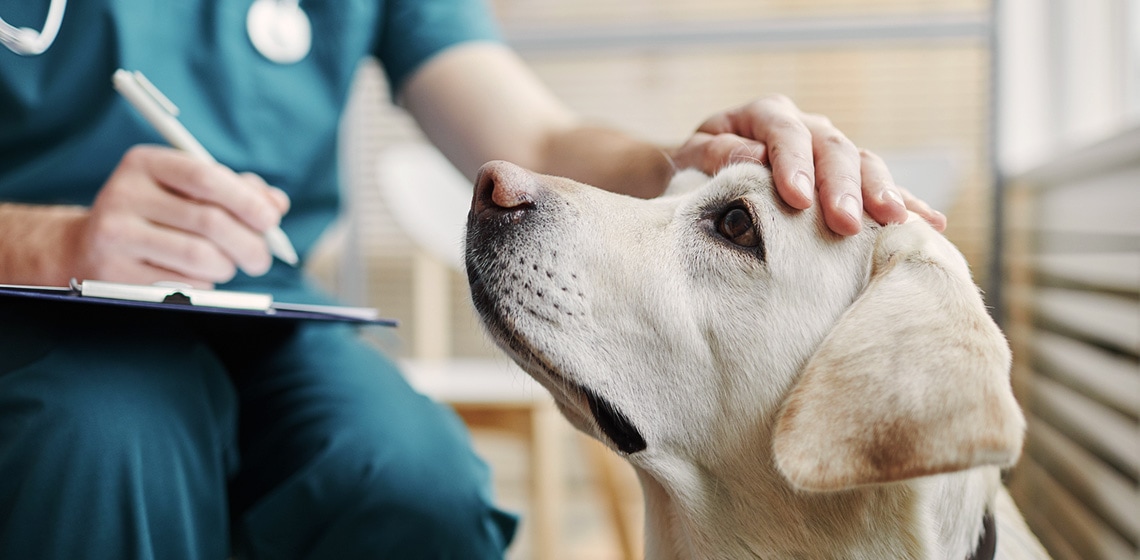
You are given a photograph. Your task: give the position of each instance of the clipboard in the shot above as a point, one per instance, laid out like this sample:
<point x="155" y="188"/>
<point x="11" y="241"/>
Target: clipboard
<point x="177" y="298"/>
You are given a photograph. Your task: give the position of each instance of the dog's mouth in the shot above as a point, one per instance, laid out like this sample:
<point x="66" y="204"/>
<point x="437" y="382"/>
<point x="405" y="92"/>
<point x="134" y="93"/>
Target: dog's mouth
<point x="614" y="424"/>
<point x="610" y="420"/>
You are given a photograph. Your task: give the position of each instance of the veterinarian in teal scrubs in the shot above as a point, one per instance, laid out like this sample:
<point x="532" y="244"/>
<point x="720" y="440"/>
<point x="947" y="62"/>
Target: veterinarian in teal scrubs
<point x="131" y="435"/>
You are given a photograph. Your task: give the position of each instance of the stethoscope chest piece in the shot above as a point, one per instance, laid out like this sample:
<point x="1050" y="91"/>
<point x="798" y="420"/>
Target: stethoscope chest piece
<point x="279" y="30"/>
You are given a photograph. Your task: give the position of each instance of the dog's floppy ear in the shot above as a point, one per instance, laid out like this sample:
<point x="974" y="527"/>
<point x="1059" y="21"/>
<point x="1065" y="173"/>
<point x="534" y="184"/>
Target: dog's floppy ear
<point x="912" y="381"/>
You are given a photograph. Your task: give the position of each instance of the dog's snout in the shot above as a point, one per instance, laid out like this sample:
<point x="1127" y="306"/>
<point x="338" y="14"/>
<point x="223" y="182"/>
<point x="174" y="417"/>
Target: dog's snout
<point x="503" y="186"/>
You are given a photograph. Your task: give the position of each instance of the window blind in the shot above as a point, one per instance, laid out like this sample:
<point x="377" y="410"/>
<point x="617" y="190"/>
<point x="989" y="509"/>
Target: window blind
<point x="1074" y="310"/>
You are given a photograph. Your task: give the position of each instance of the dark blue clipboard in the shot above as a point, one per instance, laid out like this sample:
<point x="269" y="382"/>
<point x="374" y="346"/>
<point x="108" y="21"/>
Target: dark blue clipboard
<point x="276" y="311"/>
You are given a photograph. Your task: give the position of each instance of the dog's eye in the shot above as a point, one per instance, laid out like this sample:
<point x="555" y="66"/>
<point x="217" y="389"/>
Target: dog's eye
<point x="735" y="224"/>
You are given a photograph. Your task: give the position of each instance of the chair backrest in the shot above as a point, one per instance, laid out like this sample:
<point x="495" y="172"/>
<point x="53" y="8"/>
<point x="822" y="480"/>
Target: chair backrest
<point x="429" y="198"/>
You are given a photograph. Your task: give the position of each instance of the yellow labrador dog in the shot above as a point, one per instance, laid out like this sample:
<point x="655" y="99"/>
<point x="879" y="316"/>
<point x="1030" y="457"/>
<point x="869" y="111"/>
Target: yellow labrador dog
<point x="782" y="392"/>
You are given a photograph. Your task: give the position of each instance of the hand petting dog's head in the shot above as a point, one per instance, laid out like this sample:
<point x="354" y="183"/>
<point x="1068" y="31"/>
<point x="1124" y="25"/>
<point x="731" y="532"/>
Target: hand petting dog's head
<point x="718" y="323"/>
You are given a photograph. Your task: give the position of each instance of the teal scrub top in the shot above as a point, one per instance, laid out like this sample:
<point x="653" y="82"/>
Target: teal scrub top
<point x="63" y="128"/>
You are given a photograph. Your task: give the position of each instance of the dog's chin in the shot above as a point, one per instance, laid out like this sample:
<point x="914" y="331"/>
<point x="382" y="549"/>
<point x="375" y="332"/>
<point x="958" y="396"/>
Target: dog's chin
<point x="607" y="418"/>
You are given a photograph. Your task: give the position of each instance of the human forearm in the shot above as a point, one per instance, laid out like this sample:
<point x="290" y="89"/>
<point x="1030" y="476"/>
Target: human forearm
<point x="36" y="243"/>
<point x="606" y="158"/>
<point x="479" y="102"/>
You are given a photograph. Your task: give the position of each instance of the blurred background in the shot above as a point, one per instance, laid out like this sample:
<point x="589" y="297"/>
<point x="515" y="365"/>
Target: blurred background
<point x="1016" y="118"/>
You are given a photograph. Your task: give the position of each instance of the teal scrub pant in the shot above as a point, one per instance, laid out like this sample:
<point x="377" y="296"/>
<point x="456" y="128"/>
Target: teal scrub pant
<point x="129" y="435"/>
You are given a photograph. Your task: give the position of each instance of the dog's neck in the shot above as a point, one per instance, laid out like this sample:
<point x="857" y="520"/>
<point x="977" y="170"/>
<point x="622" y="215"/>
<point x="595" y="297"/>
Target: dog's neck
<point x="698" y="512"/>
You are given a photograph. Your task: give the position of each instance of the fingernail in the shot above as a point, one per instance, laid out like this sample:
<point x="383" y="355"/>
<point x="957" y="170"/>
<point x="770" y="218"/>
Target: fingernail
<point x="280" y="197"/>
<point x="256" y="270"/>
<point x="804" y="184"/>
<point x="893" y="197"/>
<point x="269" y="219"/>
<point x="849" y="204"/>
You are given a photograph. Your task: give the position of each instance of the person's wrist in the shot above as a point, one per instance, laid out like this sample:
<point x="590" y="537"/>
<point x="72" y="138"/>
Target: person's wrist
<point x="73" y="222"/>
<point x="41" y="243"/>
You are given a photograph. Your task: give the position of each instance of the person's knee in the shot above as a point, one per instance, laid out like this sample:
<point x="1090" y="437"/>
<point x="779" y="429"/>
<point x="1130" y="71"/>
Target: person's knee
<point x="431" y="491"/>
<point x="130" y="446"/>
<point x="358" y="464"/>
<point x="445" y="490"/>
<point x="111" y="401"/>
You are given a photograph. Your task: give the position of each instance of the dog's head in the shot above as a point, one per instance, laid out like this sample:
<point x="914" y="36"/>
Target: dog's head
<point x="699" y="326"/>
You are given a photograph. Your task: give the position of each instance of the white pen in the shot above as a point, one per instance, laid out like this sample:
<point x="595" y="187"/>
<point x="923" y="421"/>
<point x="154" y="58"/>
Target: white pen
<point x="162" y="114"/>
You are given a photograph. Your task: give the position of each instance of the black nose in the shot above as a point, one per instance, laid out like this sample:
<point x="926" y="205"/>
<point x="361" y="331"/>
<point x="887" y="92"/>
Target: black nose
<point x="504" y="186"/>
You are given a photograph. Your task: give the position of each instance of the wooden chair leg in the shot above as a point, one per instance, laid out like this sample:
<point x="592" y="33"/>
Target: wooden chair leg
<point x="547" y="479"/>
<point x="606" y="466"/>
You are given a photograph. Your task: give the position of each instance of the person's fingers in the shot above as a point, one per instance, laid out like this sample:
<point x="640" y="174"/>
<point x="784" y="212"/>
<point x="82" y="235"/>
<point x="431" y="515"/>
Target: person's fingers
<point x="136" y="272"/>
<point x="245" y="247"/>
<point x="775" y="122"/>
<point x="117" y="244"/>
<point x="277" y="197"/>
<point x="714" y="152"/>
<point x="187" y="255"/>
<point x="882" y="199"/>
<point x="933" y="217"/>
<point x="164" y="215"/>
<point x="172" y="209"/>
<point x="748" y="120"/>
<point x="207" y="182"/>
<point x="711" y="152"/>
<point x="720" y="123"/>
<point x="839" y="176"/>
<point x="806" y="153"/>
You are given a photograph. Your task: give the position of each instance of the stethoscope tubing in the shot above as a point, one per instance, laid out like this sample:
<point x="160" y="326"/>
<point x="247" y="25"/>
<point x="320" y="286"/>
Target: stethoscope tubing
<point x="29" y="42"/>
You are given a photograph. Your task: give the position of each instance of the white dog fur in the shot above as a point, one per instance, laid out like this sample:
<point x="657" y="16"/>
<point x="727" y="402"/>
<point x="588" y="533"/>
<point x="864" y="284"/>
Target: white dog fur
<point x="811" y="396"/>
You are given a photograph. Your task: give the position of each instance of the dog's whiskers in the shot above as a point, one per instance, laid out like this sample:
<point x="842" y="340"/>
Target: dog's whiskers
<point x="742" y="158"/>
<point x="668" y="158"/>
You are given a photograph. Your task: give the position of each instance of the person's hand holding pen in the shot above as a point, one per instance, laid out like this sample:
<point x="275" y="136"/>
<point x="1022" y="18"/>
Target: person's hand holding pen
<point x="176" y="215"/>
<point x="164" y="215"/>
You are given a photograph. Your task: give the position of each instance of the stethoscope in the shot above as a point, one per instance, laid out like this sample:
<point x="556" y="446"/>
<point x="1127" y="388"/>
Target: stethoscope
<point x="278" y="29"/>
